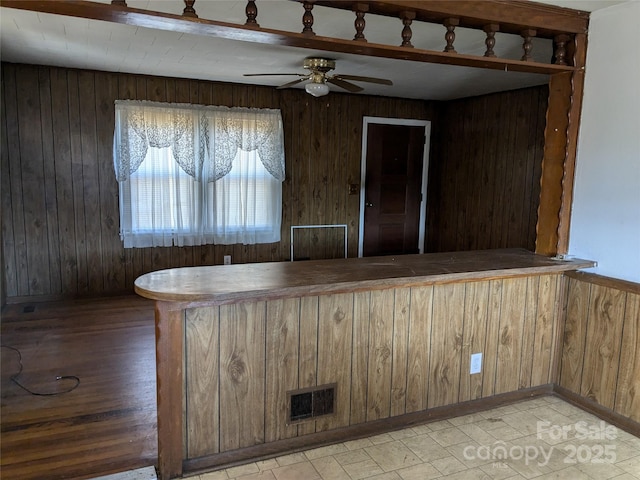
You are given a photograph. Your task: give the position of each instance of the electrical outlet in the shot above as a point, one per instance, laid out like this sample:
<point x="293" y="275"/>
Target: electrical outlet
<point x="227" y="259"/>
<point x="476" y="363"/>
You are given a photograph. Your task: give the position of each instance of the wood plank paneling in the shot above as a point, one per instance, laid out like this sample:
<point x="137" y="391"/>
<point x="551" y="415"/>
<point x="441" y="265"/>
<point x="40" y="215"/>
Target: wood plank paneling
<point x="420" y="319"/>
<point x="600" y="359"/>
<point x="79" y="251"/>
<point x="202" y="369"/>
<point x="242" y="374"/>
<point x="512" y="315"/>
<point x="380" y="354"/>
<point x="360" y="356"/>
<point x="308" y="356"/>
<point x="282" y="335"/>
<point x="577" y="315"/>
<point x="602" y="345"/>
<point x="476" y="303"/>
<point x="628" y="388"/>
<point x="32" y="173"/>
<point x="484" y="191"/>
<point x="61" y="234"/>
<point x="335" y="327"/>
<point x="491" y="345"/>
<point x="446" y="347"/>
<point x="528" y="331"/>
<point x="545" y="326"/>
<point x="402" y="307"/>
<point x="389" y="352"/>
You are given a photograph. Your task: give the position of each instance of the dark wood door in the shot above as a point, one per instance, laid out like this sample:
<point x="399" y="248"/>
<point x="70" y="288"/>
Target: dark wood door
<point x="393" y="189"/>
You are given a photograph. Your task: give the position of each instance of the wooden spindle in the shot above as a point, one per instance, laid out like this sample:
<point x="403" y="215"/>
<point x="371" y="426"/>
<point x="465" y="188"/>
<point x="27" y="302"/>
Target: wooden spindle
<point x="189" y="11"/>
<point x="450" y="36"/>
<point x="119" y="3"/>
<point x="307" y="18"/>
<point x="560" y="50"/>
<point x="407" y="18"/>
<point x="252" y="13"/>
<point x="527" y="34"/>
<point x="490" y="41"/>
<point x="360" y="9"/>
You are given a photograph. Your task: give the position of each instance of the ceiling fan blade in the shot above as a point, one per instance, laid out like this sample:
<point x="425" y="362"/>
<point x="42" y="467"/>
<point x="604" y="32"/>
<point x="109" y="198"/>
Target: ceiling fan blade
<point x="350" y="87"/>
<point x="381" y="81"/>
<point x="271" y="74"/>
<point x="291" y="84"/>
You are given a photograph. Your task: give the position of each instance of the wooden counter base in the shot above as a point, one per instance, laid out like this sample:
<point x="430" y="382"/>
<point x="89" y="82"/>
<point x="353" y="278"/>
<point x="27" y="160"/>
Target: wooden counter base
<point x="394" y="334"/>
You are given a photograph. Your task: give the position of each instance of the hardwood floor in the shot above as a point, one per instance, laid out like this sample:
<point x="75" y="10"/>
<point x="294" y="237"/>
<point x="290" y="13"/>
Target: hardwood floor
<point x="108" y="423"/>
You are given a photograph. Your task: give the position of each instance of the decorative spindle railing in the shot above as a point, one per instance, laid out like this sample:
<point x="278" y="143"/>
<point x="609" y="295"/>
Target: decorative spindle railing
<point x="407" y="16"/>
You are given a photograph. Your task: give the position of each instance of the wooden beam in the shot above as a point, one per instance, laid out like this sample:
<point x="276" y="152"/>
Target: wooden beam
<point x="553" y="164"/>
<point x="513" y="16"/>
<point x="558" y="163"/>
<point x="199" y="26"/>
<point x="575" y="109"/>
<point x="169" y="347"/>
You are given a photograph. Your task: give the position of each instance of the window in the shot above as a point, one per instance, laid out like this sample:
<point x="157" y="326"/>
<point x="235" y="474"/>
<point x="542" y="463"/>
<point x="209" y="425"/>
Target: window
<point x="191" y="175"/>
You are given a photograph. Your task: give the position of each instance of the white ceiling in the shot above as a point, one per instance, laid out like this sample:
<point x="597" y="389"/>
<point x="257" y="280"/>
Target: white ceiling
<point x="45" y="39"/>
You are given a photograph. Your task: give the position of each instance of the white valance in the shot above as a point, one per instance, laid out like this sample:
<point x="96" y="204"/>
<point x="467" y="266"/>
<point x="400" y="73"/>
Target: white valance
<point x="204" y="140"/>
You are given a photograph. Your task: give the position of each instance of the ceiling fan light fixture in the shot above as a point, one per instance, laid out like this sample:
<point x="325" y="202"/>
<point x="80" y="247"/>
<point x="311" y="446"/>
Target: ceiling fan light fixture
<point x="317" y="89"/>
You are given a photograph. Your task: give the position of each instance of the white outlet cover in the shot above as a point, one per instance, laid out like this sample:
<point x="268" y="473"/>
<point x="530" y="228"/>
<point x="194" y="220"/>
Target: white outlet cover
<point x="476" y="363"/>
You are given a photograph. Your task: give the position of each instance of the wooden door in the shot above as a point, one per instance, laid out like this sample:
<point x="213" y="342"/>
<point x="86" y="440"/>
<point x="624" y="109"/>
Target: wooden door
<point x="393" y="186"/>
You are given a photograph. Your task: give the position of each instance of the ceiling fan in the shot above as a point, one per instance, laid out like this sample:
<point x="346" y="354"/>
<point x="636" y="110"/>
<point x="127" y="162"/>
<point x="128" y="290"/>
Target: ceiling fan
<point x="318" y="74"/>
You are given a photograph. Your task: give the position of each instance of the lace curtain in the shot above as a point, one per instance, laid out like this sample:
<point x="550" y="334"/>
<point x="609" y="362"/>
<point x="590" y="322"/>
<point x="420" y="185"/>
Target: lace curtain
<point x="191" y="175"/>
<point x="190" y="130"/>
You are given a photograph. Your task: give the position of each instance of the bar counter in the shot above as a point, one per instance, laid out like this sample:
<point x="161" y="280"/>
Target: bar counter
<point x="391" y="336"/>
<point x="222" y="284"/>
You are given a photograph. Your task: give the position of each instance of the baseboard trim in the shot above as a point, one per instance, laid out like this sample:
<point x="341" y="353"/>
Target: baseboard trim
<point x="606" y="414"/>
<point x="353" y="432"/>
<point x="63" y="298"/>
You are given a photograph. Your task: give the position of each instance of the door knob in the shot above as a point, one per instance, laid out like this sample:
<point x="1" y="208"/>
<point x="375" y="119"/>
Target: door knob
<point x="368" y="204"/>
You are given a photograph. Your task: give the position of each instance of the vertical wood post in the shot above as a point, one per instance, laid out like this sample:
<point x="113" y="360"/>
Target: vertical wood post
<point x="555" y="152"/>
<point x="169" y="348"/>
<point x="251" y="11"/>
<point x="189" y="11"/>
<point x="490" y="41"/>
<point x="558" y="163"/>
<point x="360" y="9"/>
<point x="307" y="18"/>
<point x="407" y="18"/>
<point x="527" y="46"/>
<point x="560" y="49"/>
<point x="579" y="49"/>
<point x="450" y="36"/>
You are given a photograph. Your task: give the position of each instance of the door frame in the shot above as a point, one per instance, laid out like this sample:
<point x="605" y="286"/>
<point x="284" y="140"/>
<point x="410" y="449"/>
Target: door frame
<point x="425" y="172"/>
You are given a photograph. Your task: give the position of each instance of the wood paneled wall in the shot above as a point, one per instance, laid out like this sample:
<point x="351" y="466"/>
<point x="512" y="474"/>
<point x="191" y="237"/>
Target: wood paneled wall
<point x="390" y="352"/>
<point x="601" y="352"/>
<point x="60" y="217"/>
<point x="484" y="177"/>
<point x="60" y="220"/>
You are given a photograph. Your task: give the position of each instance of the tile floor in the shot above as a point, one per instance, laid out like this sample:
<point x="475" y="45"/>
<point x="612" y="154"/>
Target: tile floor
<point x="544" y="438"/>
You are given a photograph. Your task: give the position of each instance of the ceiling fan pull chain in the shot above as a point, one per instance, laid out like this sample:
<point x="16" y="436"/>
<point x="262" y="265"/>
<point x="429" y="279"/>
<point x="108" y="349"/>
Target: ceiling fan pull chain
<point x="307" y="18"/>
<point x="360" y="9"/>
